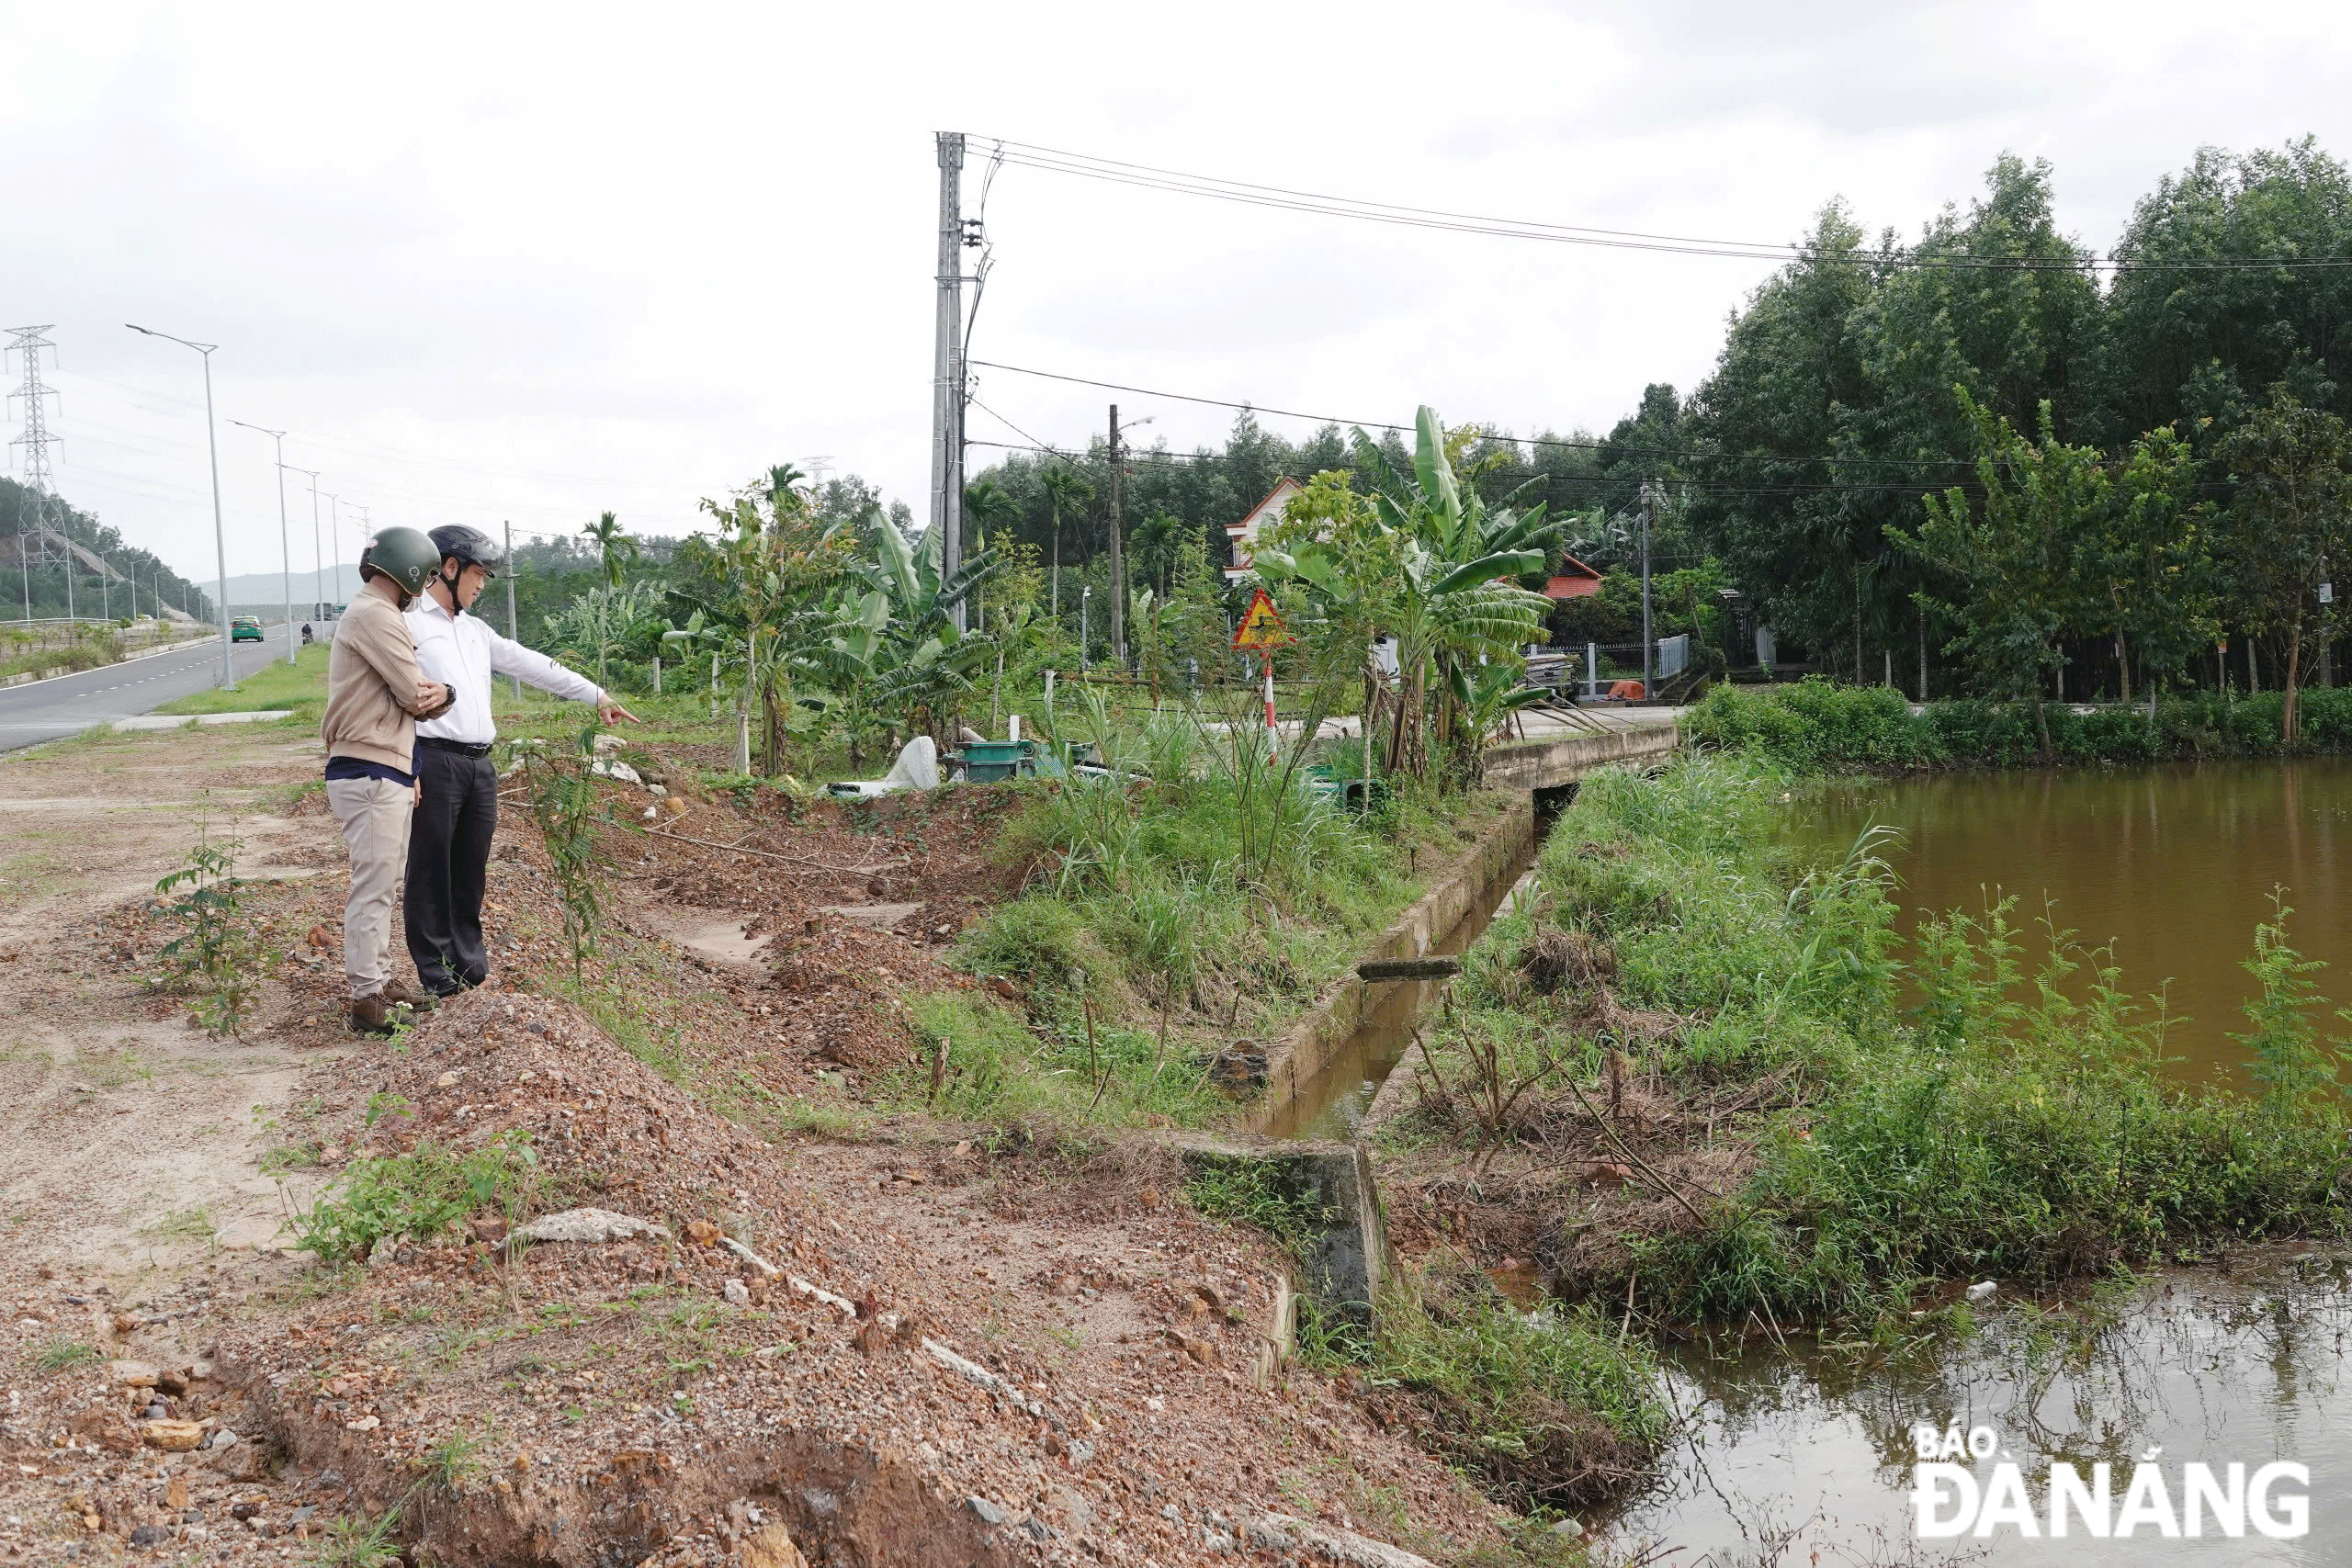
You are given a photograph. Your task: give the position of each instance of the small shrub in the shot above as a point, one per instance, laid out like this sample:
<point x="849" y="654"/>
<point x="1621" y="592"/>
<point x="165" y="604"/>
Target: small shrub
<point x="357" y="1543"/>
<point x="414" y="1197"/>
<point x="219" y="953"/>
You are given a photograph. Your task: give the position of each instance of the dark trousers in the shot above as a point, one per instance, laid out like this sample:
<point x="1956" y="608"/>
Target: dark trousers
<point x="449" y="855"/>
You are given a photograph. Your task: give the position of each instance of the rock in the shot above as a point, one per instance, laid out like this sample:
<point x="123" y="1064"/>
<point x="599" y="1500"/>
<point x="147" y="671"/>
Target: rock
<point x="488" y="1227"/>
<point x="1271" y="1531"/>
<point x="736" y="1293"/>
<point x="1568" y="1527"/>
<point x="240" y="1461"/>
<point x="587" y="1225"/>
<point x="125" y="1322"/>
<point x="702" y="1232"/>
<point x="770" y="1547"/>
<point x="176" y="1492"/>
<point x="605" y="767"/>
<point x="172" y="1437"/>
<point x="150" y="1535"/>
<point x="107" y="1429"/>
<point x="989" y="1514"/>
<point x="134" y="1374"/>
<point x="1982" y="1290"/>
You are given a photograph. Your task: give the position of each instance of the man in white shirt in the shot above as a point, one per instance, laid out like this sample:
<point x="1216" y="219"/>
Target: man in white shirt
<point x="457" y="814"/>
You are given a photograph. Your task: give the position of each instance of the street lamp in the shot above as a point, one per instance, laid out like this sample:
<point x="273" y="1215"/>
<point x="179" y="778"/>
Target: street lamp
<point x="220" y="538"/>
<point x="335" y="545"/>
<point x="318" y="562"/>
<point x="285" y="549"/>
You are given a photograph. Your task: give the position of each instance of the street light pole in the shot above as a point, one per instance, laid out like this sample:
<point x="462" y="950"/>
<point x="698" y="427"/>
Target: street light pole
<point x="285" y="549"/>
<point x="334" y="546"/>
<point x="220" y="535"/>
<point x="318" y="566"/>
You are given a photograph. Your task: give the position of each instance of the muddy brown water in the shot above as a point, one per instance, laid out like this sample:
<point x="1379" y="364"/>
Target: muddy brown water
<point x="1332" y="1104"/>
<point x="1790" y="1454"/>
<point x="2173" y="864"/>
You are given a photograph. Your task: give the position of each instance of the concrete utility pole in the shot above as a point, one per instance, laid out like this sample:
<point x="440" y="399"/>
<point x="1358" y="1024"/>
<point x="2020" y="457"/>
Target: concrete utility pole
<point x="219" y="534"/>
<point x="1649" y="647"/>
<point x="284" y="540"/>
<point x="1118" y="556"/>
<point x="947" y="368"/>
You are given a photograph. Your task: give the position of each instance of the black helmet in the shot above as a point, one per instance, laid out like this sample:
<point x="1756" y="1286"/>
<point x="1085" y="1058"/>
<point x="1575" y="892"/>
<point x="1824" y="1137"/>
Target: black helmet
<point x="468" y="547"/>
<point x="403" y="555"/>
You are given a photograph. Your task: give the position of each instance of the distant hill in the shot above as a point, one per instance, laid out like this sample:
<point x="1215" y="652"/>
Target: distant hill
<point x="269" y="588"/>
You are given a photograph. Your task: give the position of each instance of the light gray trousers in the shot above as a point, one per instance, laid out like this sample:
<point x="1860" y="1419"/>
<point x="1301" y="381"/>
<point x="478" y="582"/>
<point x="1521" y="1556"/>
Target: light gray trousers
<point x="375" y="814"/>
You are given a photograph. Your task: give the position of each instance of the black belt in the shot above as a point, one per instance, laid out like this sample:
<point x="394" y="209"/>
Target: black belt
<point x="462" y="748"/>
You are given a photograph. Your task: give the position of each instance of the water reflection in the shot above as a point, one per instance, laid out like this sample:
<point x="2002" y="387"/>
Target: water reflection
<point x="1800" y="1456"/>
<point x="2174" y="864"/>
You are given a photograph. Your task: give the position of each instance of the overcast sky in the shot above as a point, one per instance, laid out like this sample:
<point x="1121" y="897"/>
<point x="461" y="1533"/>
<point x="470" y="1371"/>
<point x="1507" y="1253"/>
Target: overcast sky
<point x="492" y="262"/>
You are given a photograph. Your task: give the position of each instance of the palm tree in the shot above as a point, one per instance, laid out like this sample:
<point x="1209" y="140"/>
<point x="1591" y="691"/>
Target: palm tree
<point x="1065" y="488"/>
<point x="616" y="547"/>
<point x="1157" y="541"/>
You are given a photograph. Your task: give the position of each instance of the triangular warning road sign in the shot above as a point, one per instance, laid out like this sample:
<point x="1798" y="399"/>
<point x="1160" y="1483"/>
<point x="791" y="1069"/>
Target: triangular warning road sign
<point x="1260" y="627"/>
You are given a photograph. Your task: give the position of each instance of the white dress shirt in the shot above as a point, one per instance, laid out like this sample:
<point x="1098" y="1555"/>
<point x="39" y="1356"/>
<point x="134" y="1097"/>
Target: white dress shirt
<point x="463" y="653"/>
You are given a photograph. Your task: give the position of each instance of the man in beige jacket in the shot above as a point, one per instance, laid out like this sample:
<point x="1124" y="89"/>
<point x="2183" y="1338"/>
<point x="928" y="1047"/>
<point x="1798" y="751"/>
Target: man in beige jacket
<point x="374" y="695"/>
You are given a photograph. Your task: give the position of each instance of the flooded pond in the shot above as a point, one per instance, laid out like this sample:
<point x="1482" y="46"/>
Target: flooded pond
<point x="1799" y="1457"/>
<point x="2174" y="864"/>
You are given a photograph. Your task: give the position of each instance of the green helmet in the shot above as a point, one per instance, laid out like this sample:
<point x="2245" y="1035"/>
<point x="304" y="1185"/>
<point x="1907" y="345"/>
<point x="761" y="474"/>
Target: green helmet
<point x="404" y="554"/>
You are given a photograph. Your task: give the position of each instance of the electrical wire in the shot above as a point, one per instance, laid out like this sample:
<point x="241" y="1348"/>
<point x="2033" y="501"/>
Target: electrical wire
<point x="1050" y="160"/>
<point x="1544" y="441"/>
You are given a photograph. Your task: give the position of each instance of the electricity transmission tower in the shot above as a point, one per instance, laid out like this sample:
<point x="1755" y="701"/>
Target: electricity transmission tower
<point x="37" y="545"/>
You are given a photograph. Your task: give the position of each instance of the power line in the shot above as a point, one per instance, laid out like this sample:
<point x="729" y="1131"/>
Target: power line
<point x="1049" y="159"/>
<point x="1553" y="441"/>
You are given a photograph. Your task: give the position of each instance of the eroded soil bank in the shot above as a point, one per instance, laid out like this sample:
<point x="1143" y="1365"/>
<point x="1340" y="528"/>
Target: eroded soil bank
<point x="976" y="1345"/>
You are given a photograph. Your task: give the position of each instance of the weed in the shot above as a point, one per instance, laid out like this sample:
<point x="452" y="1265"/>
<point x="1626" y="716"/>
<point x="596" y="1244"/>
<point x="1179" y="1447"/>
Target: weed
<point x="64" y="1354"/>
<point x="193" y="1223"/>
<point x="1547" y="1408"/>
<point x="219" y="952"/>
<point x="453" y="1462"/>
<point x="414" y="1196"/>
<point x="1253" y="1192"/>
<point x="357" y="1543"/>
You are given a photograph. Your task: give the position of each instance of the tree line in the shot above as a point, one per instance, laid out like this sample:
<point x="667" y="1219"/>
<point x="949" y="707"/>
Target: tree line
<point x="1992" y="451"/>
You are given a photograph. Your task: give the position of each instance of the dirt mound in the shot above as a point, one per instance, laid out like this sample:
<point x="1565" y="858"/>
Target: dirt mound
<point x="924" y="1378"/>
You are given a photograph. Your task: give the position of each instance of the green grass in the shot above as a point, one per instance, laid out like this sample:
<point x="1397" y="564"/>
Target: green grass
<point x="64" y="1354"/>
<point x="1544" y="1410"/>
<point x="2000" y="1129"/>
<point x="300" y="690"/>
<point x="1191" y="906"/>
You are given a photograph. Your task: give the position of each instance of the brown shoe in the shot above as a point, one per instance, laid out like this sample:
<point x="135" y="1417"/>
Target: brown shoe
<point x="400" y="995"/>
<point x="371" y="1015"/>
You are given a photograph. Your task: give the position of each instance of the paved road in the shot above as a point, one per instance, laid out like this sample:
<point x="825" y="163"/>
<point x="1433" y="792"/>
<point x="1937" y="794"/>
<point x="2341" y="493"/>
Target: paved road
<point x="50" y="710"/>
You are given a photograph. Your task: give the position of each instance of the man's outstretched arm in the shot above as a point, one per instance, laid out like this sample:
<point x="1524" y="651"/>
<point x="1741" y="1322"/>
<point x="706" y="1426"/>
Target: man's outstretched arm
<point x="508" y="657"/>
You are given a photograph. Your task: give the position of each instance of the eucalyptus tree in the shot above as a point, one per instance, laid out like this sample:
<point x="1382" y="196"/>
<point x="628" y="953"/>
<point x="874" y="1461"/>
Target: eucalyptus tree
<point x="2290" y="466"/>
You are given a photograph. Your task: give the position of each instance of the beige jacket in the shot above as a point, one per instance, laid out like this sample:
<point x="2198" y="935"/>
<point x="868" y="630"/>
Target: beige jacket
<point x="372" y="677"/>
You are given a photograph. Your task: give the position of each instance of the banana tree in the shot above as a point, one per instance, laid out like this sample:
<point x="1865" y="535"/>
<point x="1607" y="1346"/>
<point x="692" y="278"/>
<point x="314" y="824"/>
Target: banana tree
<point x="1427" y="562"/>
<point x="892" y="657"/>
<point x="605" y="621"/>
<point x="778" y="567"/>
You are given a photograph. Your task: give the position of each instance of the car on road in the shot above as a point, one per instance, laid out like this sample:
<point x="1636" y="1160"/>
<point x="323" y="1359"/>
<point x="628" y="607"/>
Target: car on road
<point x="245" y="628"/>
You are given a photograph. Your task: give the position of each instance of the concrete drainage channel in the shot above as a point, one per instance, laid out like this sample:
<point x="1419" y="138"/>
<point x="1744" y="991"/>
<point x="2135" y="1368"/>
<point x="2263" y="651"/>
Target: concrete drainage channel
<point x="1334" y="1073"/>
